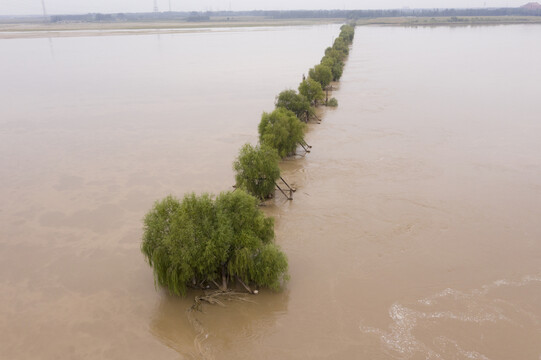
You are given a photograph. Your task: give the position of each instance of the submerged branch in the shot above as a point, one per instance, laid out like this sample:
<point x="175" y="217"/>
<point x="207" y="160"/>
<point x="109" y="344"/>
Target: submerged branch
<point x="217" y="297"/>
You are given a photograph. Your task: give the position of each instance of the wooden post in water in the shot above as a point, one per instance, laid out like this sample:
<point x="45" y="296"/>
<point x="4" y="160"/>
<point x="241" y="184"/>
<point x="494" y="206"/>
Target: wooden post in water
<point x="326" y="95"/>
<point x="291" y="190"/>
<point x="305" y="149"/>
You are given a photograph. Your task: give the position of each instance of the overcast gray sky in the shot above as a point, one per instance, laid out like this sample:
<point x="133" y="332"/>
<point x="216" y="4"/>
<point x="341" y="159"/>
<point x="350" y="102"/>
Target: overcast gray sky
<point x="24" y="7"/>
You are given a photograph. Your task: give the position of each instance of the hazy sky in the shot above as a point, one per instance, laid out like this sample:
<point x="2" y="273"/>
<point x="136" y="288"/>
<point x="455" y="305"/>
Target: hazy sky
<point x="21" y="7"/>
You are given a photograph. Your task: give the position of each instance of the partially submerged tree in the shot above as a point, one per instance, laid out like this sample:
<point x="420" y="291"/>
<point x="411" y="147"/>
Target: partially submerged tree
<point x="341" y="45"/>
<point x="257" y="170"/>
<point x="322" y="74"/>
<point x="332" y="102"/>
<point x="200" y="241"/>
<point x="336" y="66"/>
<point x="312" y="90"/>
<point x="347" y="32"/>
<point x="281" y="130"/>
<point x="335" y="54"/>
<point x="299" y="104"/>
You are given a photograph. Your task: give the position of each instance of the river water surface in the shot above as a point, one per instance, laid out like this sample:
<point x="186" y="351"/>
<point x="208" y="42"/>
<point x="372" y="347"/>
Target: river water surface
<point x="413" y="234"/>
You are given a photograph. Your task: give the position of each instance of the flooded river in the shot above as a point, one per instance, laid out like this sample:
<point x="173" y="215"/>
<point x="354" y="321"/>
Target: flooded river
<point x="413" y="233"/>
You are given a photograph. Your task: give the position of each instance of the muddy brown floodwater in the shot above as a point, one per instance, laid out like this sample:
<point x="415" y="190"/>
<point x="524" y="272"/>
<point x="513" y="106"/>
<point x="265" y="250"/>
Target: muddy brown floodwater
<point x="414" y="232"/>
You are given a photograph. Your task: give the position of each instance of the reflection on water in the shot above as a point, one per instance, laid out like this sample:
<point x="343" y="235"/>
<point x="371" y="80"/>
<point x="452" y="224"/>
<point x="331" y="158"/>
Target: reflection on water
<point x="207" y="334"/>
<point x="171" y="325"/>
<point x="413" y="233"/>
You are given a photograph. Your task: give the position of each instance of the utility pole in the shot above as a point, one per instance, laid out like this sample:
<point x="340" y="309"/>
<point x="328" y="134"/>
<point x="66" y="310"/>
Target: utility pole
<point x="155" y="6"/>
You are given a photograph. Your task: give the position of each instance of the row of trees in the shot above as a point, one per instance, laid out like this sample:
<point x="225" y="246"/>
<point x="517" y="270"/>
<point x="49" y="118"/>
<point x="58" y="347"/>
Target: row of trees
<point x="202" y="241"/>
<point x="299" y="14"/>
<point x="283" y="129"/>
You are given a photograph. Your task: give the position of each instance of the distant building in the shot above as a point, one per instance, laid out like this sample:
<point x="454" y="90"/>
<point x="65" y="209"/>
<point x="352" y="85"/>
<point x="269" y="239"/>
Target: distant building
<point x="531" y="6"/>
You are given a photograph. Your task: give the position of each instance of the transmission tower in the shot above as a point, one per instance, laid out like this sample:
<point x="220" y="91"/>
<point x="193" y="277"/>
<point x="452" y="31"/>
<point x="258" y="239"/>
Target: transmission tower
<point x="44" y="9"/>
<point x="156" y="6"/>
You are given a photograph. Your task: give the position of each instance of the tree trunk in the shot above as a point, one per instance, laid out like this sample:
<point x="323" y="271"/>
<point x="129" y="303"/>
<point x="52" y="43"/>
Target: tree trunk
<point x="224" y="279"/>
<point x="245" y="286"/>
<point x="326" y="95"/>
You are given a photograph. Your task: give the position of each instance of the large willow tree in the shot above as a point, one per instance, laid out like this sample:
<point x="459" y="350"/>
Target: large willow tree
<point x="281" y="130"/>
<point x="200" y="241"/>
<point x="257" y="170"/>
<point x="311" y="90"/>
<point x="321" y="73"/>
<point x="290" y="100"/>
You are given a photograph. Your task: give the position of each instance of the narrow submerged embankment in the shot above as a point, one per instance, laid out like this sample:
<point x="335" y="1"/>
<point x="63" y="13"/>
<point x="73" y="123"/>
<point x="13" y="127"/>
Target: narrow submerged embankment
<point x="218" y="244"/>
<point x="200" y="242"/>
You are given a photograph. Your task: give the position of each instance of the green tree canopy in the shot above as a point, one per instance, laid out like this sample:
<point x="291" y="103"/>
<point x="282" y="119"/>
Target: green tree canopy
<point x="336" y="66"/>
<point x="200" y="241"/>
<point x="290" y="100"/>
<point x="281" y="130"/>
<point x="322" y="74"/>
<point x="332" y="102"/>
<point x="335" y="54"/>
<point x="347" y="33"/>
<point x="312" y="90"/>
<point x="341" y="45"/>
<point x="257" y="170"/>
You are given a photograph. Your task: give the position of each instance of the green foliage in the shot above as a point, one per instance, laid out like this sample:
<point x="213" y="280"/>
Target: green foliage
<point x="290" y="100"/>
<point x="200" y="240"/>
<point x="270" y="266"/>
<point x="312" y="90"/>
<point x="175" y="236"/>
<point x="322" y="74"/>
<point x="257" y="170"/>
<point x="327" y="61"/>
<point x="347" y="33"/>
<point x="335" y="54"/>
<point x="341" y="45"/>
<point x="281" y="130"/>
<point x="336" y="66"/>
<point x="332" y="102"/>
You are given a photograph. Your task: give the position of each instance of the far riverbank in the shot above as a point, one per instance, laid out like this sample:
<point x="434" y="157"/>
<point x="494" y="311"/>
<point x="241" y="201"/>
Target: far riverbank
<point x="77" y="29"/>
<point x="74" y="29"/>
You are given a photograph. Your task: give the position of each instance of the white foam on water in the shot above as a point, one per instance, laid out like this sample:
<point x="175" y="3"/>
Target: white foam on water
<point x="444" y="342"/>
<point x="400" y="338"/>
<point x="469" y="307"/>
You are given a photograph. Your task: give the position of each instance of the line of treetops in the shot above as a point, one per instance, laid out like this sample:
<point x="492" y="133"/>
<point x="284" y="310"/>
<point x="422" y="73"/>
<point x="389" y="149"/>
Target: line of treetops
<point x="287" y="14"/>
<point x="226" y="241"/>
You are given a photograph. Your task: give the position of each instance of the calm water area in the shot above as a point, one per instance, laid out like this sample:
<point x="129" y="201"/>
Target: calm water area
<point x="414" y="232"/>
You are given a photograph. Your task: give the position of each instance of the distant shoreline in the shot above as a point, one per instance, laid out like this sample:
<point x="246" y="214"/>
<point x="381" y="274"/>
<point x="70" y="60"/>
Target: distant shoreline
<point x="451" y="20"/>
<point x="74" y="29"/>
<point x="78" y="29"/>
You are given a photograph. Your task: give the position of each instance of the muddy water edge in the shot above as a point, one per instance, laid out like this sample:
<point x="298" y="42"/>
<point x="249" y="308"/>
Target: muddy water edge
<point x="413" y="233"/>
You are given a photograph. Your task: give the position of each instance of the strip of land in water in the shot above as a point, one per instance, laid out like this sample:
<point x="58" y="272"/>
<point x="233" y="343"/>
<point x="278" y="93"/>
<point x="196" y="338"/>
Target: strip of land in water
<point x="450" y="20"/>
<point x="73" y="29"/>
<point x="33" y="30"/>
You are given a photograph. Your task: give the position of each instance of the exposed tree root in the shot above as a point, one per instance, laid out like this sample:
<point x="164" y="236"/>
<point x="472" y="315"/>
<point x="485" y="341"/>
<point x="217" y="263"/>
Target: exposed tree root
<point x="218" y="297"/>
